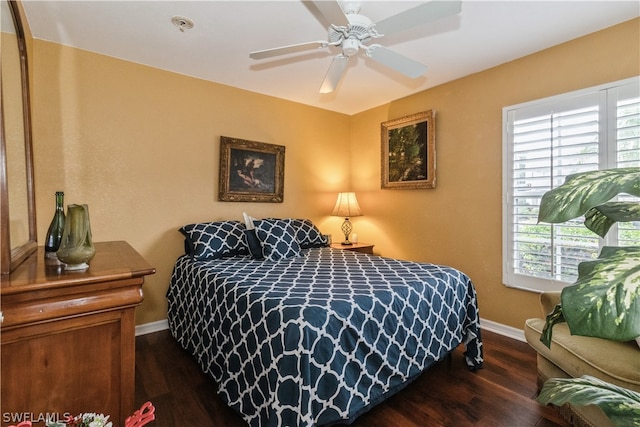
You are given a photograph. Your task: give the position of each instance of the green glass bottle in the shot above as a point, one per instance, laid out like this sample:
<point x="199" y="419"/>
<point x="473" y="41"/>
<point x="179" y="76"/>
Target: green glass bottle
<point x="56" y="228"/>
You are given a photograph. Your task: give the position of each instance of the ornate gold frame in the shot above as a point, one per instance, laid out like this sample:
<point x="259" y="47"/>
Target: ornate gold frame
<point x="241" y="182"/>
<point x="423" y="125"/>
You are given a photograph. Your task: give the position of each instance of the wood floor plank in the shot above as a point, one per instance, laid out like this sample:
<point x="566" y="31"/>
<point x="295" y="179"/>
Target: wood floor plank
<point x="447" y="394"/>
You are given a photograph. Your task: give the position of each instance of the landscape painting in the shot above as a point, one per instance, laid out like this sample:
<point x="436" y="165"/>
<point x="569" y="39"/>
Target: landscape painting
<point x="408" y="152"/>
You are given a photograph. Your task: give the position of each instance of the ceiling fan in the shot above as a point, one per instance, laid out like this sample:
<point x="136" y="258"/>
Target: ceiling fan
<point x="351" y="32"/>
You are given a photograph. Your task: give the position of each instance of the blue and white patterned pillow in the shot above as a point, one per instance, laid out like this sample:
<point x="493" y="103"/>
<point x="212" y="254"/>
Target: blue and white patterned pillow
<point x="278" y="237"/>
<point x="212" y="240"/>
<point x="308" y="235"/>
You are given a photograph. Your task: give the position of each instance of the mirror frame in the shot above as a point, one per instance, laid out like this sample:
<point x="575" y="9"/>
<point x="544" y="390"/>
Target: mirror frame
<point x="11" y="257"/>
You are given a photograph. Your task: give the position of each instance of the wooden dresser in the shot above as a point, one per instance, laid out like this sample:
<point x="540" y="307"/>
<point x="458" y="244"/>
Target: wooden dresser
<point x="68" y="338"/>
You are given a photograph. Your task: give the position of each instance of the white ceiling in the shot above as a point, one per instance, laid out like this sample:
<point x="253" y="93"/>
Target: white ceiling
<point x="484" y="34"/>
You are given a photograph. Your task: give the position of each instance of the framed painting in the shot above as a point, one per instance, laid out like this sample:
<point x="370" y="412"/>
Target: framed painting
<point x="250" y="171"/>
<point x="409" y="152"/>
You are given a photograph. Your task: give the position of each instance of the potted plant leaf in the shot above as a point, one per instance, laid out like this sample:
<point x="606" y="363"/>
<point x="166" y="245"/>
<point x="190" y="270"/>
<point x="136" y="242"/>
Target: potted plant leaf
<point x="605" y="300"/>
<point x="620" y="405"/>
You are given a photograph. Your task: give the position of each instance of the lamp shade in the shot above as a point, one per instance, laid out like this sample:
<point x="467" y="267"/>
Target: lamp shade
<point x="346" y="205"/>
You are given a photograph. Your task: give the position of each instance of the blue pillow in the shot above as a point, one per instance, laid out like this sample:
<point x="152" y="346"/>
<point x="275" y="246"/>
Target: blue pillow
<point x="212" y="240"/>
<point x="308" y="235"/>
<point x="278" y="237"/>
<point x="255" y="247"/>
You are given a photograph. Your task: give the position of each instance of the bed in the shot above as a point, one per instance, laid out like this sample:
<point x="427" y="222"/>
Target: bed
<point x="312" y="335"/>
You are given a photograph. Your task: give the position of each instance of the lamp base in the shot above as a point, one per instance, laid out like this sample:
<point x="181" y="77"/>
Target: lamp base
<point x="346" y="230"/>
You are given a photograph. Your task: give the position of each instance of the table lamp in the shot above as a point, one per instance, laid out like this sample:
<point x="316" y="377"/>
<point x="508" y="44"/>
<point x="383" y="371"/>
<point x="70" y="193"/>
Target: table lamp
<point x="346" y="206"/>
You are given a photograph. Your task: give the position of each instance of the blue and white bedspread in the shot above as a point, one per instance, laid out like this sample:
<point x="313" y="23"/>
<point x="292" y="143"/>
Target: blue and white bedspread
<point x="319" y="339"/>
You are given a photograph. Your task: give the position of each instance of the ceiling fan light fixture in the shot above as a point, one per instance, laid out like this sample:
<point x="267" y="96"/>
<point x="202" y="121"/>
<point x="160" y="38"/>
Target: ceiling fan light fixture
<point x="350" y="47"/>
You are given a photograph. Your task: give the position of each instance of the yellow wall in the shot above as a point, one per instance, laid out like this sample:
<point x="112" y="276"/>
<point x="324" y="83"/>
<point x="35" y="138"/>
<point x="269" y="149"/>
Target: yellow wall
<point x="140" y="146"/>
<point x="460" y="222"/>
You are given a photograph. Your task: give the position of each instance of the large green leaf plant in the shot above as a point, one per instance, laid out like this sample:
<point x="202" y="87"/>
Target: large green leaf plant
<point x="621" y="406"/>
<point x="605" y="300"/>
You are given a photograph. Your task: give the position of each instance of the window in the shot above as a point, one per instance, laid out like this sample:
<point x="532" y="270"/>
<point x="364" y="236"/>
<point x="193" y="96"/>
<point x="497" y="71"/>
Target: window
<point x="543" y="142"/>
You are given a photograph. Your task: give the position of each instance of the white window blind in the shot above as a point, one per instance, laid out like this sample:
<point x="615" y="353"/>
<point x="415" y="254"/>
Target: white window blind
<point x="544" y="141"/>
<point x="628" y="150"/>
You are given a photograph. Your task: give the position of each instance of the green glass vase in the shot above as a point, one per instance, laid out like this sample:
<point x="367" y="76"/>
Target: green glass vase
<point x="76" y="248"/>
<point x="56" y="228"/>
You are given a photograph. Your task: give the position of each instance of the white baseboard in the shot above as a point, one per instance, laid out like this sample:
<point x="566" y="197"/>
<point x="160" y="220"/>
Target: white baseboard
<point x="498" y="328"/>
<point x="148" y="328"/>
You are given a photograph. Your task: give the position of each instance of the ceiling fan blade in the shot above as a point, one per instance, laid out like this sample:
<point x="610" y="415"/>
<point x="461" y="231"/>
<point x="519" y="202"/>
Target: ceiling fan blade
<point x="332" y="12"/>
<point x="418" y="15"/>
<point x="335" y="73"/>
<point x="394" y="60"/>
<point x="268" y="53"/>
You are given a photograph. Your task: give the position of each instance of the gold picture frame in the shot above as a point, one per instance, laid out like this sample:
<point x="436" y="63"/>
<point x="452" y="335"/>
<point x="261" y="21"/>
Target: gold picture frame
<point x="409" y="152"/>
<point x="251" y="171"/>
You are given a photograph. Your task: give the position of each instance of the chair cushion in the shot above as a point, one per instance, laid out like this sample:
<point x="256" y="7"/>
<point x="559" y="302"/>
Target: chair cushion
<point x="611" y="361"/>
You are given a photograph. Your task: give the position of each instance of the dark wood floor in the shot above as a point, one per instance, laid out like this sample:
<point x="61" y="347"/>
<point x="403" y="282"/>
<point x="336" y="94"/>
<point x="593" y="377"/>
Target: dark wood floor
<point x="501" y="394"/>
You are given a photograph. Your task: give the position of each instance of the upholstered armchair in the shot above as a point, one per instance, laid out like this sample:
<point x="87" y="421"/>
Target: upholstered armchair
<point x="572" y="356"/>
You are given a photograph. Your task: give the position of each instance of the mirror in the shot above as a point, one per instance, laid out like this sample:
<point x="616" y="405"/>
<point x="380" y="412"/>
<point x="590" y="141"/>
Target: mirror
<point x="18" y="234"/>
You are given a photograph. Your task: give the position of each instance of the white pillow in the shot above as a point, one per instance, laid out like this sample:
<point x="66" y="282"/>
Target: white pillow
<point x="248" y="221"/>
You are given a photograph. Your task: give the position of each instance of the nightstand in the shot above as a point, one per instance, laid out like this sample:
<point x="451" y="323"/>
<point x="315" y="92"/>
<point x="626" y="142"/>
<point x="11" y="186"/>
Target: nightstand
<point x="365" y="248"/>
